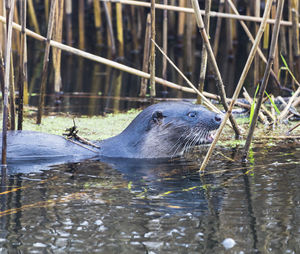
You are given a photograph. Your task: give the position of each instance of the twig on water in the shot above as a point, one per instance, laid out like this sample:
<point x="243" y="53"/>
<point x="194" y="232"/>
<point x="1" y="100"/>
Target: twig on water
<point x="265" y="78"/>
<point x="240" y="83"/>
<point x="212" y="59"/>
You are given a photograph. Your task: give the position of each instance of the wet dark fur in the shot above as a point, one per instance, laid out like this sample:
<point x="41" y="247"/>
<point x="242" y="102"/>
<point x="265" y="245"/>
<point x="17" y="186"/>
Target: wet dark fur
<point x="160" y="131"/>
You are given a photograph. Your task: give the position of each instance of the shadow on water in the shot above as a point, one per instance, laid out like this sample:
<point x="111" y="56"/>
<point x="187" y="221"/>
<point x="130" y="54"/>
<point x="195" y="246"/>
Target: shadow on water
<point x="135" y="206"/>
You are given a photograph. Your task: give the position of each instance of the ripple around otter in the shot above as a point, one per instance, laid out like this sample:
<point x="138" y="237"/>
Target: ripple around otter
<point x="163" y="207"/>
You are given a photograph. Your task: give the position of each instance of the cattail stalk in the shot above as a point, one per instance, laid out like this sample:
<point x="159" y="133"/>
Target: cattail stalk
<point x="68" y="8"/>
<point x="12" y="104"/>
<point x="32" y="16"/>
<point x="144" y="81"/>
<point x="56" y="53"/>
<point x="110" y="29"/>
<point x="97" y="20"/>
<point x="296" y="46"/>
<point x="22" y="62"/>
<point x="9" y="4"/>
<point x="120" y="29"/>
<point x="45" y="62"/>
<point x="203" y="65"/>
<point x="240" y="83"/>
<point x="165" y="41"/>
<point x="265" y="78"/>
<point x="152" y="51"/>
<point x="81" y="26"/>
<point x="218" y="28"/>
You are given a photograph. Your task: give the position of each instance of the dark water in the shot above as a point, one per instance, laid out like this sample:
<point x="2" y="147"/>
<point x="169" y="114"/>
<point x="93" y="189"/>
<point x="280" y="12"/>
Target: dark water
<point x="157" y="207"/>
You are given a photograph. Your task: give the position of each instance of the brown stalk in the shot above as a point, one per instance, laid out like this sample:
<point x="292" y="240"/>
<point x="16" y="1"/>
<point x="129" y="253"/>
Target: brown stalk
<point x="265" y="78"/>
<point x="81" y="26"/>
<point x="218" y="28"/>
<point x="203" y="65"/>
<point x="259" y="51"/>
<point x="152" y="51"/>
<point x="165" y="41"/>
<point x="22" y="62"/>
<point x="212" y="59"/>
<point x="240" y="83"/>
<point x="68" y="17"/>
<point x="111" y="40"/>
<point x="144" y="81"/>
<point x="9" y="4"/>
<point x="190" y="10"/>
<point x="45" y="62"/>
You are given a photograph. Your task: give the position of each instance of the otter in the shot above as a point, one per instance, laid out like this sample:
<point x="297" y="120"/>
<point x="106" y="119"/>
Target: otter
<point x="162" y="130"/>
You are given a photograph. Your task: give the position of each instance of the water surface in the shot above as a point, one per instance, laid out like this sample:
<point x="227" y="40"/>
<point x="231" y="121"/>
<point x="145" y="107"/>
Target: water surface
<point x="156" y="207"/>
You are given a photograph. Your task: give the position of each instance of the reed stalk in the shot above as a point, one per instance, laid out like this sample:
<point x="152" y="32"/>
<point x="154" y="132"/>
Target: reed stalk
<point x="259" y="51"/>
<point x="165" y="41"/>
<point x="203" y="65"/>
<point x="32" y="16"/>
<point x="97" y="20"/>
<point x="45" y="62"/>
<point x="120" y="29"/>
<point x="81" y="26"/>
<point x="296" y="46"/>
<point x="105" y="61"/>
<point x="46" y="4"/>
<point x="256" y="75"/>
<point x="266" y="76"/>
<point x="218" y="28"/>
<point x="68" y="17"/>
<point x="206" y="102"/>
<point x="9" y="5"/>
<point x="181" y="20"/>
<point x="12" y="104"/>
<point x="146" y="55"/>
<point x="190" y="10"/>
<point x="152" y="51"/>
<point x="111" y="37"/>
<point x="212" y="59"/>
<point x="22" y="63"/>
<point x="56" y="53"/>
<point x="240" y="83"/>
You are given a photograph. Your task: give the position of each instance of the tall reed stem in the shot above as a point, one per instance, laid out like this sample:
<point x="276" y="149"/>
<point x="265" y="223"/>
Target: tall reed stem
<point x="9" y="4"/>
<point x="45" y="62"/>
<point x="203" y="65"/>
<point x="152" y="51"/>
<point x="214" y="64"/>
<point x="266" y="77"/>
<point x="240" y="83"/>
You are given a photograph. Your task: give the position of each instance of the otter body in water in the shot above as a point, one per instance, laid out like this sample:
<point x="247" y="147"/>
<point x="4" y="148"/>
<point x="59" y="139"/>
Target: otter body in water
<point x="162" y="130"/>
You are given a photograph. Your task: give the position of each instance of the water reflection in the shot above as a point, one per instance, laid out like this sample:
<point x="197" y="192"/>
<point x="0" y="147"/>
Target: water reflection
<point x="160" y="207"/>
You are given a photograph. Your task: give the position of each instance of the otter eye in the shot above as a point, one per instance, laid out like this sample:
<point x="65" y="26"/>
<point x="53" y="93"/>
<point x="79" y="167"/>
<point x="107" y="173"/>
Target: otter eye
<point x="192" y="114"/>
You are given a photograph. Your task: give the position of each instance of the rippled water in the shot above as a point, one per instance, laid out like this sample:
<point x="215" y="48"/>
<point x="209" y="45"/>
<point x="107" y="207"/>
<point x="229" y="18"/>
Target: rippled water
<point x="157" y="207"/>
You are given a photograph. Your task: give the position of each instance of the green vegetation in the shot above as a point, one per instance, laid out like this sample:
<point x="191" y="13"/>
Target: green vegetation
<point x="93" y="128"/>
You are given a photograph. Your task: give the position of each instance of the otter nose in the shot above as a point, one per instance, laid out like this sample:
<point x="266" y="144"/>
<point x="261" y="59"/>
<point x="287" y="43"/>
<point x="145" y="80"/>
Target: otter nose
<point x="218" y="118"/>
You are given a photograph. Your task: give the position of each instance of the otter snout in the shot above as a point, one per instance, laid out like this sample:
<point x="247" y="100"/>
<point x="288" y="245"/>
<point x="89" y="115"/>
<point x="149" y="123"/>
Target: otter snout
<point x="218" y="118"/>
<point x="215" y="121"/>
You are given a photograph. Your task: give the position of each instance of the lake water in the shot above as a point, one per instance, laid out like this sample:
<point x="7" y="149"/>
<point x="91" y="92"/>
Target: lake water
<point x="130" y="206"/>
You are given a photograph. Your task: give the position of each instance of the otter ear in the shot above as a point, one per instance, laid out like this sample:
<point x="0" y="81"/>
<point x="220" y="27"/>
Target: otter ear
<point x="157" y="116"/>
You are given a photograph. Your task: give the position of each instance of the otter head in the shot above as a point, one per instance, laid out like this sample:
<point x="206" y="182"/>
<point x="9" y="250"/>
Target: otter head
<point x="172" y="128"/>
